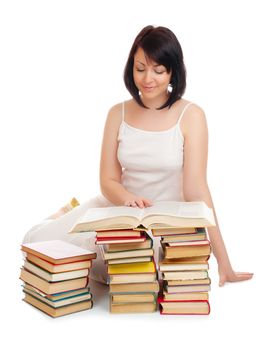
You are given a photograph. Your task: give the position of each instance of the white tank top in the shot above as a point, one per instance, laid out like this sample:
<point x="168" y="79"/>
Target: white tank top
<point x="152" y="161"/>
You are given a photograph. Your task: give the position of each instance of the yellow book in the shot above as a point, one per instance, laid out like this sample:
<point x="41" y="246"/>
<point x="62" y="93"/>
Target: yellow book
<point x="142" y="267"/>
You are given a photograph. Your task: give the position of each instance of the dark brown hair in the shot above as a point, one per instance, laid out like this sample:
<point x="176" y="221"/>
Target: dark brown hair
<point x="161" y="46"/>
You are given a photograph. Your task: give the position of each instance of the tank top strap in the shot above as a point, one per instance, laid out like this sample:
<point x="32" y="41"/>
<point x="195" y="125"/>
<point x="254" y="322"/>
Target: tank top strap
<point x="183" y="112"/>
<point x="121" y="128"/>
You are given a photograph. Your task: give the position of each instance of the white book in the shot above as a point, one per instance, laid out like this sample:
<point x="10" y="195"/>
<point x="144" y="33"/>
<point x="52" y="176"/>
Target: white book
<point x="160" y="215"/>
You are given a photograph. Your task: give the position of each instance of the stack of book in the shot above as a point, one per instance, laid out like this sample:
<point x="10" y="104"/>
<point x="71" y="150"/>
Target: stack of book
<point x="132" y="274"/>
<point x="184" y="267"/>
<point x="185" y="259"/>
<point x="56" y="275"/>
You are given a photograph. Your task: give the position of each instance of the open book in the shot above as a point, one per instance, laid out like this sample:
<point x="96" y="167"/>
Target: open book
<point x="160" y="215"/>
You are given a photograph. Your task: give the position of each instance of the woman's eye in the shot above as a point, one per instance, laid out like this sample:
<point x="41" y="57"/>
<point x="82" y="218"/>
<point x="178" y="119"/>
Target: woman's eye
<point x="159" y="72"/>
<point x="140" y="70"/>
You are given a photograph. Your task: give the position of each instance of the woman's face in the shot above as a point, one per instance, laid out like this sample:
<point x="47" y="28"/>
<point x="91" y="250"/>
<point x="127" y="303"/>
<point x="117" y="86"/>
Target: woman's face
<point x="150" y="78"/>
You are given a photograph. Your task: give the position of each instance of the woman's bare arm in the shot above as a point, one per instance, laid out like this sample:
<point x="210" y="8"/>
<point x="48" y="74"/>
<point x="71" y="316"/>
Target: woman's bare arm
<point x="196" y="188"/>
<point x="110" y="168"/>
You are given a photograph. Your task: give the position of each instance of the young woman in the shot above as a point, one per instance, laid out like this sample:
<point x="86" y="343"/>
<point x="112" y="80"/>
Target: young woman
<point x="155" y="146"/>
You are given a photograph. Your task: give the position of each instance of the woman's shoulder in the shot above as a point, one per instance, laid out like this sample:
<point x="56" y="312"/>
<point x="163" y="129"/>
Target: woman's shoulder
<point x="193" y="116"/>
<point x="116" y="111"/>
<point x="115" y="114"/>
<point x="190" y="106"/>
<point x="191" y="109"/>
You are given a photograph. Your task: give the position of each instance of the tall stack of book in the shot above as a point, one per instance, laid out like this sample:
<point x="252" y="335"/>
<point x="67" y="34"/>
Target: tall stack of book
<point x="132" y="274"/>
<point x="56" y="275"/>
<point x="184" y="267"/>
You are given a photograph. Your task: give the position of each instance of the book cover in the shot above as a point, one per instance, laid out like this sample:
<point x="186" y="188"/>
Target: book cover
<point x="186" y="249"/>
<point x="117" y="247"/>
<point x="119" y="233"/>
<point x="55" y="268"/>
<point x="60" y="311"/>
<point x="141" y="267"/>
<point x="186" y="307"/>
<point x="134" y="287"/>
<point x="133" y="297"/>
<point x="54" y="277"/>
<point x="52" y="287"/>
<point x="191" y="296"/>
<point x="116" y="240"/>
<point x="129" y="260"/>
<point x="59" y="302"/>
<point x="132" y="308"/>
<point x="57" y="251"/>
<point x="183" y="266"/>
<point x="125" y="254"/>
<point x="184" y="275"/>
<point x="164" y="232"/>
<point x="132" y="278"/>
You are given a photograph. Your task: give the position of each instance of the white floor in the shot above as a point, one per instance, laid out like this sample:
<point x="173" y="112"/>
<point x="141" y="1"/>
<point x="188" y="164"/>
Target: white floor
<point x="234" y="321"/>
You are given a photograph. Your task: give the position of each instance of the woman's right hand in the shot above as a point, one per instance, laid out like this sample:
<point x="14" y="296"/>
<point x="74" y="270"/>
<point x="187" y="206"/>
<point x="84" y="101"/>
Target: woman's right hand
<point x="135" y="201"/>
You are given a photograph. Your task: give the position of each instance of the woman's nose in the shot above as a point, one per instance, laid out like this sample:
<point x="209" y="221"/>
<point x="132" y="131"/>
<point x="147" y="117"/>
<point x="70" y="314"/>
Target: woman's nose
<point x="148" y="77"/>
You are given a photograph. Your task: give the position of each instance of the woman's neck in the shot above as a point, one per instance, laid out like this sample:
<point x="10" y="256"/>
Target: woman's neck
<point x="155" y="103"/>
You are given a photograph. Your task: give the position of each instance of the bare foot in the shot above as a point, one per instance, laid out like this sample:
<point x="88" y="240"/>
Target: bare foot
<point x="65" y="209"/>
<point x="233" y="276"/>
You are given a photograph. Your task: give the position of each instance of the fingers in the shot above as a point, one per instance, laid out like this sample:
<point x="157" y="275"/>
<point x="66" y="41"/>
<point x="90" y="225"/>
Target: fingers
<point x="130" y="204"/>
<point x="147" y="203"/>
<point x="138" y="202"/>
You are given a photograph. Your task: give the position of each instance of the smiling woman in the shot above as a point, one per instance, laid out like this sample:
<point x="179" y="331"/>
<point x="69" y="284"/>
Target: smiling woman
<point x="150" y="78"/>
<point x="155" y="145"/>
<point x="156" y="51"/>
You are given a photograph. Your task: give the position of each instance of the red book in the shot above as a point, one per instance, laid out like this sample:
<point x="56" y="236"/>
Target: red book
<point x="115" y="239"/>
<point x="185" y="307"/>
<point x="119" y="233"/>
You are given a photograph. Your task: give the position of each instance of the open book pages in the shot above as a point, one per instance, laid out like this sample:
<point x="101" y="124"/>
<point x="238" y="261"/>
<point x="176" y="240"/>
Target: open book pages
<point x="160" y="214"/>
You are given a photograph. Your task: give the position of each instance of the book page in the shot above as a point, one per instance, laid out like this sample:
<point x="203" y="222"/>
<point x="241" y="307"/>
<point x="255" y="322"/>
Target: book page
<point x="180" y="209"/>
<point x="95" y="214"/>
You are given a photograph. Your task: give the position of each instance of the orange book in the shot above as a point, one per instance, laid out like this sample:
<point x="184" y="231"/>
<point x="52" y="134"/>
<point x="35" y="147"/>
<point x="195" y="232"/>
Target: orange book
<point x="186" y="249"/>
<point x="185" y="307"/>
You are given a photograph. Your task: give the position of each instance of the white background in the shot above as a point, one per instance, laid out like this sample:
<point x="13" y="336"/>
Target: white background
<point x="61" y="67"/>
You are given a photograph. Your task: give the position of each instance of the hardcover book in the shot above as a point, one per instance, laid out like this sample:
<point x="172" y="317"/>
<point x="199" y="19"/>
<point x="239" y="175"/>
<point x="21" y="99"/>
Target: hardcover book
<point x="186" y="307"/>
<point x="162" y="214"/>
<point x="132" y="307"/>
<point x="134" y="287"/>
<point x="52" y="287"/>
<point x="56" y="268"/>
<point x="186" y="249"/>
<point x="142" y="267"/>
<point x="54" y="277"/>
<point x="133" y="298"/>
<point x="59" y="311"/>
<point x="57" y="251"/>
